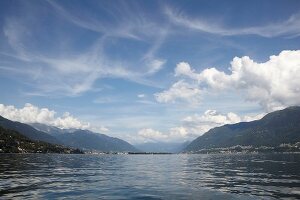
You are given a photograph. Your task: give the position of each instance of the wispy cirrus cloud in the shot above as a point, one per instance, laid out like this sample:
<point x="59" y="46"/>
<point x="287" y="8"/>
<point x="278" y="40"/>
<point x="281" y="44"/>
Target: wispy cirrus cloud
<point x="126" y="20"/>
<point x="70" y="73"/>
<point x="86" y="21"/>
<point x="289" y="27"/>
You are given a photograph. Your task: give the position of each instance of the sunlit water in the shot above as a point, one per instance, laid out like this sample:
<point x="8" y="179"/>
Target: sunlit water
<point x="40" y="176"/>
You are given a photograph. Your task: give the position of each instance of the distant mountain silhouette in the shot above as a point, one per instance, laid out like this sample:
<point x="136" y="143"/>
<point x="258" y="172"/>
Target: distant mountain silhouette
<point x="28" y="131"/>
<point x="272" y="130"/>
<point x="85" y="139"/>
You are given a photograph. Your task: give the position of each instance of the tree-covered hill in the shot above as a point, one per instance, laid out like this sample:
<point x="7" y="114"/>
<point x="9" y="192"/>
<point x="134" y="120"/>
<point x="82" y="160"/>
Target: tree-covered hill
<point x="13" y="142"/>
<point x="274" y="129"/>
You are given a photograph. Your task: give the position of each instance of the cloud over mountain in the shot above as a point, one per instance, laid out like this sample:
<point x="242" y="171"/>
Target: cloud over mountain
<point x="193" y="126"/>
<point x="33" y="114"/>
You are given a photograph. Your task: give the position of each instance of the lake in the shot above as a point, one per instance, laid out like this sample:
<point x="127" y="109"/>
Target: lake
<point x="182" y="176"/>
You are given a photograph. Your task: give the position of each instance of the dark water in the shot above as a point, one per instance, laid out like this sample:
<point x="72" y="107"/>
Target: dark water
<point x="38" y="176"/>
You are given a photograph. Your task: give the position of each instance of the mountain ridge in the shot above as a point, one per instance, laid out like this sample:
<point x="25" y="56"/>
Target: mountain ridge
<point x="28" y="131"/>
<point x="86" y="139"/>
<point x="75" y="138"/>
<point x="275" y="128"/>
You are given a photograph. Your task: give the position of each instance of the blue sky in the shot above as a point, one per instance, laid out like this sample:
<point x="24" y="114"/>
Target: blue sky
<point x="148" y="70"/>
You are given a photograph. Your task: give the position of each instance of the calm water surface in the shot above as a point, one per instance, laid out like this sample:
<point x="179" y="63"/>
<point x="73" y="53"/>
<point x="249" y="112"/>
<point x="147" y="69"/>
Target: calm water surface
<point x="38" y="176"/>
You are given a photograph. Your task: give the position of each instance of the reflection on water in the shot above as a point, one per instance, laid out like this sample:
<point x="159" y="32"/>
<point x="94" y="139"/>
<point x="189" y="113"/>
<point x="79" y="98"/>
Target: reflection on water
<point x="38" y="176"/>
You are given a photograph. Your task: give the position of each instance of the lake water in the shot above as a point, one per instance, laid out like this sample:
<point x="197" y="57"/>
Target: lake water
<point x="42" y="176"/>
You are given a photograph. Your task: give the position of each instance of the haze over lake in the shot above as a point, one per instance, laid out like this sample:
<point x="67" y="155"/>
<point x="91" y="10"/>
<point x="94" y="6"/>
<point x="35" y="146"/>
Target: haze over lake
<point x="182" y="176"/>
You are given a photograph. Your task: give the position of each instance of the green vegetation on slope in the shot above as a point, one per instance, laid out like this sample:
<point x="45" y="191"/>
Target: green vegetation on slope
<point x="276" y="128"/>
<point x="13" y="142"/>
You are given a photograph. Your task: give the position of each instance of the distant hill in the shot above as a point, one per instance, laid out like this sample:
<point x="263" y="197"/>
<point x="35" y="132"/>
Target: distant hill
<point x="13" y="142"/>
<point x="272" y="130"/>
<point x="95" y="141"/>
<point x="162" y="147"/>
<point x="28" y="131"/>
<point x="87" y="140"/>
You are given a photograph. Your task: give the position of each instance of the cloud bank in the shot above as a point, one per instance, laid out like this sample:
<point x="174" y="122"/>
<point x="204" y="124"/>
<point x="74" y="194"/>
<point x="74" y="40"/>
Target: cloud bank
<point x="192" y="127"/>
<point x="273" y="84"/>
<point x="32" y="114"/>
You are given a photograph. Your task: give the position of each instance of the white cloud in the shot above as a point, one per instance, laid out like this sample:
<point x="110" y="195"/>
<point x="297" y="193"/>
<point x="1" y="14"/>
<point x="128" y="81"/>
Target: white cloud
<point x="141" y="95"/>
<point x="70" y="75"/>
<point x="273" y="84"/>
<point x="288" y="27"/>
<point x="178" y="134"/>
<point x="192" y="127"/>
<point x="150" y="134"/>
<point x="99" y="129"/>
<point x="199" y="124"/>
<point x="184" y="68"/>
<point x="65" y="71"/>
<point x="32" y="114"/>
<point x="181" y="91"/>
<point x="248" y="118"/>
<point x="14" y="32"/>
<point x="155" y="65"/>
<point x="213" y="117"/>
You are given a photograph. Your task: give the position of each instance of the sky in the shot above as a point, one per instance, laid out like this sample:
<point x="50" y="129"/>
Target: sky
<point x="148" y="71"/>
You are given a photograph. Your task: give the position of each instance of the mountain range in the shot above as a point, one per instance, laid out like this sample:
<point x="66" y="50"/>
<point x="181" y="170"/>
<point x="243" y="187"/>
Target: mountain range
<point x="273" y="129"/>
<point x="85" y="139"/>
<point x="75" y="138"/>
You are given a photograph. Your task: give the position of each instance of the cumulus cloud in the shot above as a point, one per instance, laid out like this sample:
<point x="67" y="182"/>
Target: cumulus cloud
<point x="174" y="134"/>
<point x="32" y="114"/>
<point x="181" y="91"/>
<point x="213" y="117"/>
<point x="192" y="127"/>
<point x="198" y="124"/>
<point x="151" y="134"/>
<point x="274" y="84"/>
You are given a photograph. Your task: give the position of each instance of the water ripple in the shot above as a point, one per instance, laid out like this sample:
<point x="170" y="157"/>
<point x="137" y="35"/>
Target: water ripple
<point x="51" y="176"/>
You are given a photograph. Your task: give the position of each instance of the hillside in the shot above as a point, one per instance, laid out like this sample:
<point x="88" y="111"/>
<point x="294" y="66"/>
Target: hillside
<point x="13" y="142"/>
<point x="94" y="141"/>
<point x="28" y="131"/>
<point x="272" y="130"/>
<point x="87" y="140"/>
